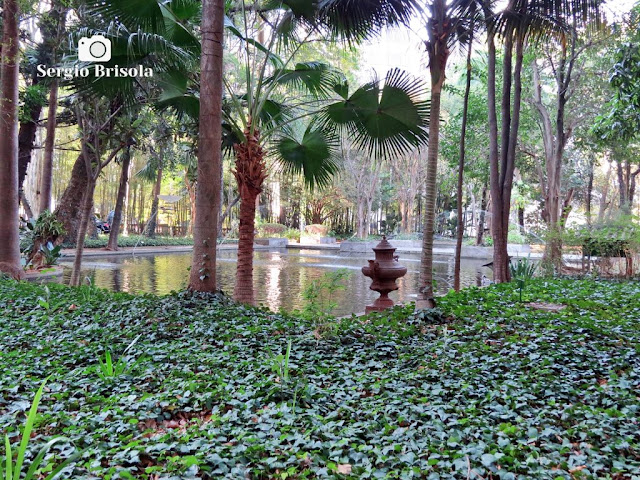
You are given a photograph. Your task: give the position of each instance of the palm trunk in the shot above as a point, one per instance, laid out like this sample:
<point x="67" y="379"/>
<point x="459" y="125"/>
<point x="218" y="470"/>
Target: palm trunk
<point x="122" y="189"/>
<point x="463" y="134"/>
<point x="250" y="173"/>
<point x="9" y="239"/>
<point x="47" y="165"/>
<point x="208" y="194"/>
<point x="86" y="219"/>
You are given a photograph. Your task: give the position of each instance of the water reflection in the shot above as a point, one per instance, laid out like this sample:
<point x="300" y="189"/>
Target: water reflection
<point x="279" y="275"/>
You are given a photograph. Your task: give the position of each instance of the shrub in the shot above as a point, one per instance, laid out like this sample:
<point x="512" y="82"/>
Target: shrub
<point x="271" y="230"/>
<point x="316" y="229"/>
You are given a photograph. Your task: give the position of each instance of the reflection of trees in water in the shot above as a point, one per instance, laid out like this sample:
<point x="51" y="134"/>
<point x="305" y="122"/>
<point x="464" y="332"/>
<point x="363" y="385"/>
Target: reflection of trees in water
<point x="280" y="277"/>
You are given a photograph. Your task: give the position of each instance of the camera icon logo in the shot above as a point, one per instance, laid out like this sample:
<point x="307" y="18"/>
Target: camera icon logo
<point x="96" y="48"/>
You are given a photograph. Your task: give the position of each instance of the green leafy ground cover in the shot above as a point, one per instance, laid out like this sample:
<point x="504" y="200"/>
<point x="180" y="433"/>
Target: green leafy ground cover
<point x="487" y="388"/>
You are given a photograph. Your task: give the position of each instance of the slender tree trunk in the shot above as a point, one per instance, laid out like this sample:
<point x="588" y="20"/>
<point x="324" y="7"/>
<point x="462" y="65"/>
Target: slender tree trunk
<point x="126" y="211"/>
<point x="589" y="192"/>
<point x="483" y="211"/>
<point x="461" y="158"/>
<point x="502" y="163"/>
<point x="85" y="221"/>
<point x="438" y="55"/>
<point x="9" y="198"/>
<point x="208" y="194"/>
<point x="250" y="173"/>
<point x="47" y="165"/>
<point x="521" y="220"/>
<point x="26" y="139"/>
<point x="360" y="219"/>
<point x="226" y="212"/>
<point x="153" y="216"/>
<point x="122" y="190"/>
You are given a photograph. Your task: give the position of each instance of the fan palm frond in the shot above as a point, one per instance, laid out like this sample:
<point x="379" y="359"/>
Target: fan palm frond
<point x="391" y="120"/>
<point x="313" y="156"/>
<point x="316" y="78"/>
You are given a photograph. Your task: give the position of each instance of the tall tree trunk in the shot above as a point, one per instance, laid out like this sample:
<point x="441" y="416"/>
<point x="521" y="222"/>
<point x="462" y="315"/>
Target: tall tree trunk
<point x="438" y="31"/>
<point x="9" y="223"/>
<point x="590" y="190"/>
<point x="47" y="165"/>
<point x="463" y="134"/>
<point x="122" y="190"/>
<point x="26" y="139"/>
<point x="502" y="162"/>
<point x="153" y="216"/>
<point x="250" y="173"/>
<point x="69" y="209"/>
<point x="86" y="220"/>
<point x="126" y="217"/>
<point x="208" y="194"/>
<point x="483" y="212"/>
<point x="360" y="219"/>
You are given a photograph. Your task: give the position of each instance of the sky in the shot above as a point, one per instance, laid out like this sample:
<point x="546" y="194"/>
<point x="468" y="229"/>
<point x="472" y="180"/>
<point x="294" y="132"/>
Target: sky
<point x="402" y="47"/>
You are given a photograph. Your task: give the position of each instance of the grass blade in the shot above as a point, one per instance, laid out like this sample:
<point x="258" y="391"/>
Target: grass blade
<point x="26" y="435"/>
<point x="43" y="451"/>
<point x="9" y="463"/>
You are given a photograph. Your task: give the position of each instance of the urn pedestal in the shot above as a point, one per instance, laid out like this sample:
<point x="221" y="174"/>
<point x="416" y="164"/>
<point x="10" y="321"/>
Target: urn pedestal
<point x="383" y="271"/>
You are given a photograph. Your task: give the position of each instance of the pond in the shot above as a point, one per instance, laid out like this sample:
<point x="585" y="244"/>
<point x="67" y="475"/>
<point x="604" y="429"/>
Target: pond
<point x="280" y="275"/>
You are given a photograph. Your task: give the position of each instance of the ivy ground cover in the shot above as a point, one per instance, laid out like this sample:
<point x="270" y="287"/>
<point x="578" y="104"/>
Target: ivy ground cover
<point x="486" y="387"/>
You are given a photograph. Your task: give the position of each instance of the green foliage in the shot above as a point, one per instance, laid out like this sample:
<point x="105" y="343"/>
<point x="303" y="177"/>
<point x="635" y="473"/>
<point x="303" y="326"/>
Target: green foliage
<point x="43" y="230"/>
<point x="522" y="272"/>
<point x="107" y="370"/>
<point x="486" y="384"/>
<point x="618" y="237"/>
<point x="318" y="296"/>
<point x="14" y="471"/>
<point x="271" y="229"/>
<point x="50" y="253"/>
<point x="136" y="241"/>
<point x="33" y="96"/>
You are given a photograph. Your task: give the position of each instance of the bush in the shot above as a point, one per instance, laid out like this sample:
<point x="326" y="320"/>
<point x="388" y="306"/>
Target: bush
<point x="271" y="230"/>
<point x="135" y="241"/>
<point x="316" y="230"/>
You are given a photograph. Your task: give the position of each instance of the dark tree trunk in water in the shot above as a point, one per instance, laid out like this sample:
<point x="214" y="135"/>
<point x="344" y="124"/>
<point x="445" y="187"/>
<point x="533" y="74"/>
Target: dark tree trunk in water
<point x="9" y="240"/>
<point x="250" y="173"/>
<point x="122" y="190"/>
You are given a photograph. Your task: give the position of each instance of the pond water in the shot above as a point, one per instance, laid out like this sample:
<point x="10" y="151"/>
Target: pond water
<point x="280" y="275"/>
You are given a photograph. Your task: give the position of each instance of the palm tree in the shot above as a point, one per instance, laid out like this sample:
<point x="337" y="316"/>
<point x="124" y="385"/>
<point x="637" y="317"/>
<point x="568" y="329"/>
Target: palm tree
<point x="9" y="241"/>
<point x="290" y="109"/>
<point x="445" y="23"/>
<point x="209" y="169"/>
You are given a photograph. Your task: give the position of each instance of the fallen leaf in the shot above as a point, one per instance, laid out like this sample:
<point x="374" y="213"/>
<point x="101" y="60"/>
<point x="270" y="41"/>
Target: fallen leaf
<point x="344" y="468"/>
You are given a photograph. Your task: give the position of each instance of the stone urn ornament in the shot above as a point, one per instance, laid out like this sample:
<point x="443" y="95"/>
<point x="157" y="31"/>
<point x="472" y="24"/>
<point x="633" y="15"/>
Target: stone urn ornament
<point x="384" y="271"/>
